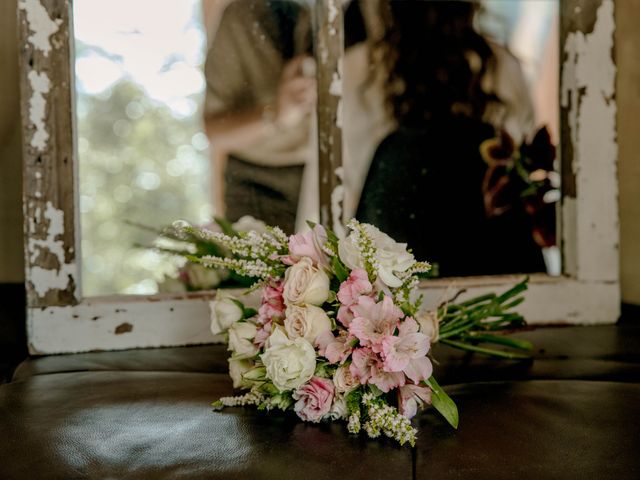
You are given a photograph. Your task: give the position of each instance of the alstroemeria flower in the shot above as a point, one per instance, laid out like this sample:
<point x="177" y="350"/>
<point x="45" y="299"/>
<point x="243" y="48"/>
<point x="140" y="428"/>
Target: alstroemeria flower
<point x="374" y="321"/>
<point x="407" y="352"/>
<point x="410" y="397"/>
<point x="354" y="287"/>
<point x="339" y="350"/>
<point x="362" y="361"/>
<point x="386" y="381"/>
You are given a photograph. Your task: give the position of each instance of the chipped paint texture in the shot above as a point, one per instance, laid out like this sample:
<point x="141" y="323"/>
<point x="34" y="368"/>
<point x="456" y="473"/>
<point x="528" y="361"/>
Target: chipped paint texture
<point x="588" y="87"/>
<point x="337" y="201"/>
<point x="93" y="325"/>
<point x="40" y="86"/>
<point x="55" y="277"/>
<point x="41" y="26"/>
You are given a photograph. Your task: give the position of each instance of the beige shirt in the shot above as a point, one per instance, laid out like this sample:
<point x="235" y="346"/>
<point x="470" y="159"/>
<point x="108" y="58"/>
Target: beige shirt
<point x="242" y="72"/>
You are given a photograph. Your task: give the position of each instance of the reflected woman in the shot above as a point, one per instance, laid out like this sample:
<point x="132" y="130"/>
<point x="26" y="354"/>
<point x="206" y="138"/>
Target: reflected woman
<point x="258" y="106"/>
<point x="447" y="89"/>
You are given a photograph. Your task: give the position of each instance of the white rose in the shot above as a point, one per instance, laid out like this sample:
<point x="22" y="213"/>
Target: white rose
<point x="306" y="322"/>
<point x="349" y="252"/>
<point x="390" y="256"/>
<point x="202" y="278"/>
<point x="224" y="312"/>
<point x="343" y="381"/>
<point x="249" y="224"/>
<point x="237" y="368"/>
<point x="305" y="284"/>
<point x="289" y="363"/>
<point x="338" y="408"/>
<point x="241" y="335"/>
<point x="429" y="325"/>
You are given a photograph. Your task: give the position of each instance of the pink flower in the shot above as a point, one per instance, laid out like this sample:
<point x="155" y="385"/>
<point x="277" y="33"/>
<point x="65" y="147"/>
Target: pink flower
<point x="374" y="321"/>
<point x="262" y="333"/>
<point x="272" y="305"/>
<point x="314" y="399"/>
<point x="354" y="287"/>
<point x="345" y="315"/>
<point x="338" y="349"/>
<point x="410" y="397"/>
<point x="308" y="244"/>
<point x="407" y="352"/>
<point x="386" y="381"/>
<point x="362" y="361"/>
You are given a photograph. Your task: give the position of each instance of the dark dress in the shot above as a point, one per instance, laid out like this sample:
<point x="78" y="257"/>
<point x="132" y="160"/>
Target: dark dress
<point x="424" y="187"/>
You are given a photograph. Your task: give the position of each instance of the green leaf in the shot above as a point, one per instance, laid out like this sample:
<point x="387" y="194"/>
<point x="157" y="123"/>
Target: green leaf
<point x="226" y="226"/>
<point x="342" y="273"/>
<point x="256" y="374"/>
<point x="353" y="400"/>
<point x="443" y="402"/>
<point x="515" y="290"/>
<point x="217" y="405"/>
<point x="249" y="312"/>
<point x="268" y="388"/>
<point x="375" y="390"/>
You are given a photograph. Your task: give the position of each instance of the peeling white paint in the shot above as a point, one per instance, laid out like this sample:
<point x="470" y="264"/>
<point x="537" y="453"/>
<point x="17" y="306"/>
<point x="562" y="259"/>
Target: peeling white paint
<point x="185" y="321"/>
<point x="588" y="86"/>
<point x="41" y="26"/>
<point x="40" y="86"/>
<point x="45" y="279"/>
<point x="335" y="88"/>
<point x="337" y="202"/>
<point x="333" y="11"/>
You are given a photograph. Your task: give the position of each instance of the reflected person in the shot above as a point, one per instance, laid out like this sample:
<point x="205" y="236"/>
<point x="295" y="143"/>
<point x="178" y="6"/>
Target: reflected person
<point x="447" y="89"/>
<point x="259" y="98"/>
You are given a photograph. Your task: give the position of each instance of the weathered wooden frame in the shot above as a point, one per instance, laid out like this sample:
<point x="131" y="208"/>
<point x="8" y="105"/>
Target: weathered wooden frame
<point x="60" y="319"/>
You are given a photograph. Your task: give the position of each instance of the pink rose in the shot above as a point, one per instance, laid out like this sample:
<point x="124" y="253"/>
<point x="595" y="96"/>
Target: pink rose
<point x="410" y="397"/>
<point x="314" y="399"/>
<point x="354" y="287"/>
<point x="308" y="244"/>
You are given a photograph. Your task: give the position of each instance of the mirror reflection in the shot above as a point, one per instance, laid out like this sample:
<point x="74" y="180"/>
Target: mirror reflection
<point x="462" y="101"/>
<point x="207" y="107"/>
<point x="195" y="109"/>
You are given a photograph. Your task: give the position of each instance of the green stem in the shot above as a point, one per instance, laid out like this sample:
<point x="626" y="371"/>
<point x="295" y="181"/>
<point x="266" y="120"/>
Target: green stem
<point x="484" y="351"/>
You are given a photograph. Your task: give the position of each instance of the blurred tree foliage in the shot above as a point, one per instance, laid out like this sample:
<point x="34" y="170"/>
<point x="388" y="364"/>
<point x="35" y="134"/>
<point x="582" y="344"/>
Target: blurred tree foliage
<point x="140" y="161"/>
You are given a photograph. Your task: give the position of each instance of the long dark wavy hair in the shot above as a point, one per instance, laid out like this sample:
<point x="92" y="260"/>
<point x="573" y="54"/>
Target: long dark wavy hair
<point x="435" y="60"/>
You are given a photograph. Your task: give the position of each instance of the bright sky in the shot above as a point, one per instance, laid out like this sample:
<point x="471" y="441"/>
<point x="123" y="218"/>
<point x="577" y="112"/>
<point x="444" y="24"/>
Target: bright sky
<point x="159" y="44"/>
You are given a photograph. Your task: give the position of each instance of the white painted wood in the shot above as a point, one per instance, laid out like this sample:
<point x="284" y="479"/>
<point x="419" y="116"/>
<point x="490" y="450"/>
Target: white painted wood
<point x="588" y="88"/>
<point x="122" y="322"/>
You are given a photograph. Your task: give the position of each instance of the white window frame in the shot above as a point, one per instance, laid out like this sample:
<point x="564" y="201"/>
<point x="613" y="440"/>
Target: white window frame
<point x="61" y="320"/>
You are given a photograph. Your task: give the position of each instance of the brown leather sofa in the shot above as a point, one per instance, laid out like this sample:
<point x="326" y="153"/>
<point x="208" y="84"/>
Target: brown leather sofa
<point x="571" y="413"/>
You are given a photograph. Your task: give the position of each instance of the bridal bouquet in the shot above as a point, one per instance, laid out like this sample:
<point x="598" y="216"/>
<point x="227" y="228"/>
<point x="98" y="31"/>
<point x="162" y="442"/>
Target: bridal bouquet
<point x="339" y="333"/>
